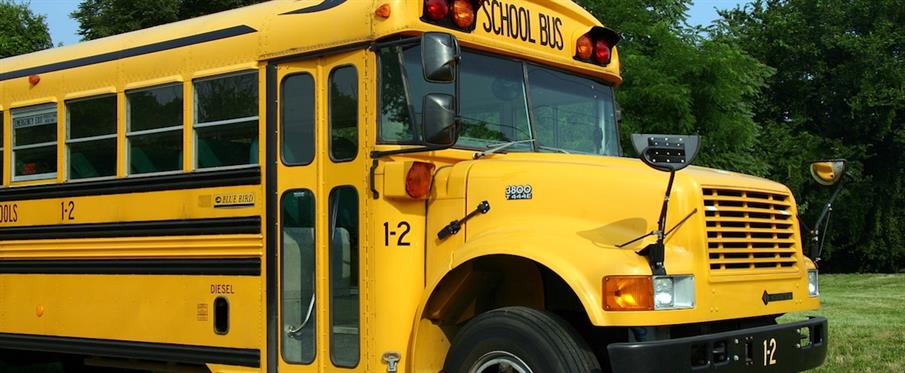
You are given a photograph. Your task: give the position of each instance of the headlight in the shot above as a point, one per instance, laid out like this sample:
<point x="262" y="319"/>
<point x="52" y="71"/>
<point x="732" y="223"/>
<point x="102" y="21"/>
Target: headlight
<point x="673" y="292"/>
<point x="813" y="283"/>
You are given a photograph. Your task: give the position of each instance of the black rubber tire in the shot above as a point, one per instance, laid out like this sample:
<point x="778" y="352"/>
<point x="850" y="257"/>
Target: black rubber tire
<point x="542" y="340"/>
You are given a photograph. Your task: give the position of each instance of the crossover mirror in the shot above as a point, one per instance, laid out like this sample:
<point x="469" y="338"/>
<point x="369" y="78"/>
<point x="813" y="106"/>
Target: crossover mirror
<point x="440" y="125"/>
<point x="666" y="152"/>
<point x="439" y="57"/>
<point x="828" y="172"/>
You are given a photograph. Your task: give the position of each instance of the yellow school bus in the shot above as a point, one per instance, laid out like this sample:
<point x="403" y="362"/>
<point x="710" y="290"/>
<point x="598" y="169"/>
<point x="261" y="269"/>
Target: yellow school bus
<point x="377" y="186"/>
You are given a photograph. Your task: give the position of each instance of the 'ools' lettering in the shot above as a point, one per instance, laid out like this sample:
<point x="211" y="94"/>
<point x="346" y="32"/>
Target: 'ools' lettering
<point x="9" y="213"/>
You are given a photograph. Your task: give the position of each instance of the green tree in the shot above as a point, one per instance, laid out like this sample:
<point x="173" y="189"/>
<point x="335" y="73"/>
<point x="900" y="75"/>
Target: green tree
<point x="21" y="31"/>
<point x="838" y="91"/>
<point x="101" y="18"/>
<point x="678" y="80"/>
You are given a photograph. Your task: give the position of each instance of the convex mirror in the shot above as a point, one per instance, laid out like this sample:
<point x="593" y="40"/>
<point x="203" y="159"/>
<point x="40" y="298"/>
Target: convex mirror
<point x="666" y="152"/>
<point x="440" y="125"/>
<point x="439" y="57"/>
<point x="828" y="172"/>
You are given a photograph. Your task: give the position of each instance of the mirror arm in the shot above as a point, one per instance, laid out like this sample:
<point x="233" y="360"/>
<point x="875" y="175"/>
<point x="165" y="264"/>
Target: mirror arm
<point x="816" y="238"/>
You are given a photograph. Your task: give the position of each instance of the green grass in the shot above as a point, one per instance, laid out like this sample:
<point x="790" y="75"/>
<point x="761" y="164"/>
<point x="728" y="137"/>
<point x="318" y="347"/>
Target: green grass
<point x="866" y="320"/>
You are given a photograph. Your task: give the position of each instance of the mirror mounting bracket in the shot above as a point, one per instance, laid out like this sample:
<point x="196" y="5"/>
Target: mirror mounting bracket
<point x="668" y="153"/>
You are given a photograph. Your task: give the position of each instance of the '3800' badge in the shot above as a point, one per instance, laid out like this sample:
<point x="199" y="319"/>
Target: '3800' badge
<point x="518" y="192"/>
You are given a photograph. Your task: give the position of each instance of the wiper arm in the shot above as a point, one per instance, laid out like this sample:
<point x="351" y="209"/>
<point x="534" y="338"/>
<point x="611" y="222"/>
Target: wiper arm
<point x="479" y="155"/>
<point x="552" y="149"/>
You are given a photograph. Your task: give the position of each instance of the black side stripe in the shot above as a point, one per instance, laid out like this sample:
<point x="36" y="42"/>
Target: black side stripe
<point x="205" y="179"/>
<point x="187" y="267"/>
<point x="133" y="52"/>
<point x="193" y="227"/>
<point x="187" y="354"/>
<point x="326" y="5"/>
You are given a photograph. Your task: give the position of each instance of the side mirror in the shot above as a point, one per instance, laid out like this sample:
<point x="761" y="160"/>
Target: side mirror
<point x="668" y="153"/>
<point x="439" y="57"/>
<point x="440" y="125"/>
<point x="828" y="172"/>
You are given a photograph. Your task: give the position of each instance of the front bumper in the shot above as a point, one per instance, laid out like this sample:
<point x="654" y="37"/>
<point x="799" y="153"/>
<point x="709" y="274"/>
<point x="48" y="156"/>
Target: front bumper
<point x="774" y="348"/>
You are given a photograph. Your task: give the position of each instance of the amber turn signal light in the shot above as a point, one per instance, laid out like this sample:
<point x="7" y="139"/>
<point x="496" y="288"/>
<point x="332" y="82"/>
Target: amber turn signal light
<point x="628" y="293"/>
<point x="418" y="180"/>
<point x="463" y="13"/>
<point x="584" y="48"/>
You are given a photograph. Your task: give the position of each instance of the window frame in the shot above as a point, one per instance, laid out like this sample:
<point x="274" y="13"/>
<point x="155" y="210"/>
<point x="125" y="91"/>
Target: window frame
<point x="330" y="112"/>
<point x="68" y="141"/>
<point x="196" y="125"/>
<point x="330" y="273"/>
<point x="285" y="194"/>
<point x="55" y="107"/>
<point x="282" y="114"/>
<point x="130" y="133"/>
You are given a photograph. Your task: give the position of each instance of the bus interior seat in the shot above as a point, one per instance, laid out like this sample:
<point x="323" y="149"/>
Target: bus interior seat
<point x="253" y="152"/>
<point x="80" y="167"/>
<point x="139" y="163"/>
<point x="205" y="152"/>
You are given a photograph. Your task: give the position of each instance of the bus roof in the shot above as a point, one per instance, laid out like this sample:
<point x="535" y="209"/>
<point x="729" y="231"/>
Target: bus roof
<point x="541" y="29"/>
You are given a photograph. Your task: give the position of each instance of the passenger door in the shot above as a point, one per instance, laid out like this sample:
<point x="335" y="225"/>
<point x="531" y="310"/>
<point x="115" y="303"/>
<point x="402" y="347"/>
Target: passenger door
<point x="322" y="173"/>
<point x="344" y="172"/>
<point x="298" y="156"/>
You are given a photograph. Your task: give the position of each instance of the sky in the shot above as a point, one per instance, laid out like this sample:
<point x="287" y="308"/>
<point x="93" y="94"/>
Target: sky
<point x="63" y="29"/>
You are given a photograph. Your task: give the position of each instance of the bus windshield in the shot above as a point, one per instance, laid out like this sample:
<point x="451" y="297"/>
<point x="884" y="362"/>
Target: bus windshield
<point x="502" y="100"/>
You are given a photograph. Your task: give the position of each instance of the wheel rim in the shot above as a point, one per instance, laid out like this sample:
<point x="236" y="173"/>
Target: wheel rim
<point x="499" y="362"/>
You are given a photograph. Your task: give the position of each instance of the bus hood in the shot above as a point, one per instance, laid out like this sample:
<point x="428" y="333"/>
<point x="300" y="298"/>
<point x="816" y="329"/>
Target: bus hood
<point x="736" y="232"/>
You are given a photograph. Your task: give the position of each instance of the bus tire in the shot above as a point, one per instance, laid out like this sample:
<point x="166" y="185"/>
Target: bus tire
<point x="528" y="340"/>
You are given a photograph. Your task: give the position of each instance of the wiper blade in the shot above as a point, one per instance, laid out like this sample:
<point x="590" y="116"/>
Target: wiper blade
<point x="479" y="155"/>
<point x="552" y="149"/>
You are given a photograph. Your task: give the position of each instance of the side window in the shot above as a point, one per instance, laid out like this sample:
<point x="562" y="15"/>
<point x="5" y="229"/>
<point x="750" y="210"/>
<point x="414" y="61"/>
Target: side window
<point x="344" y="310"/>
<point x="154" y="120"/>
<point x="298" y="277"/>
<point x="91" y="138"/>
<point x="34" y="142"/>
<point x="344" y="114"/>
<point x="2" y="132"/>
<point x="226" y="121"/>
<point x="297" y="112"/>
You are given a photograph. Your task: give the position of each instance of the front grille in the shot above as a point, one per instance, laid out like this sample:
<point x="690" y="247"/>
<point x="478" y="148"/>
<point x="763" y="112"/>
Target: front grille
<point x="749" y="232"/>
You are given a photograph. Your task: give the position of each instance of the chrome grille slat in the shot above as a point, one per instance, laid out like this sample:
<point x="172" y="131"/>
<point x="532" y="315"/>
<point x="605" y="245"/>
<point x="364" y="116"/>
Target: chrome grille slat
<point x="749" y="232"/>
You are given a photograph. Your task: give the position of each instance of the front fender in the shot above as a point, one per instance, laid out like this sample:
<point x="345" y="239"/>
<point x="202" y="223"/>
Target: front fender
<point x="580" y="265"/>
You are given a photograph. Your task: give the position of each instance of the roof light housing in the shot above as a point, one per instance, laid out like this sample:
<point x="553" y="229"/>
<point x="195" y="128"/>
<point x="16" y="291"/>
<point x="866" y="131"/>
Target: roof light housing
<point x="460" y="15"/>
<point x="596" y="46"/>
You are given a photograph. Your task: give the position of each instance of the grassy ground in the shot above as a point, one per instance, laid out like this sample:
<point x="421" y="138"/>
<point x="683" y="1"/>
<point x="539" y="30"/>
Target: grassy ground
<point x="867" y="322"/>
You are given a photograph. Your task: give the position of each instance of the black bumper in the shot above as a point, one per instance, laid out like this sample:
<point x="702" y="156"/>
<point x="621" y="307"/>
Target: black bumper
<point x="735" y="351"/>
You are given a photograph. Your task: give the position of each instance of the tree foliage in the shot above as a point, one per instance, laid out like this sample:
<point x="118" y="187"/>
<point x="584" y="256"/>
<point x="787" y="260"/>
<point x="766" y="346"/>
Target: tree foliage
<point x="677" y="80"/>
<point x="21" y="31"/>
<point x="838" y="91"/>
<point x="101" y="18"/>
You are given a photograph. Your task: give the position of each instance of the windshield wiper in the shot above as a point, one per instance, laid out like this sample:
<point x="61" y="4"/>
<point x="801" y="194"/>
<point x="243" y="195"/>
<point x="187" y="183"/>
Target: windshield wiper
<point x="479" y="155"/>
<point x="552" y="149"/>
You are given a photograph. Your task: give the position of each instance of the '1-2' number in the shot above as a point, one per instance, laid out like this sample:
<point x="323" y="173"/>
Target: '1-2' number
<point x="770" y="352"/>
<point x="404" y="226"/>
<point x="67" y="210"/>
